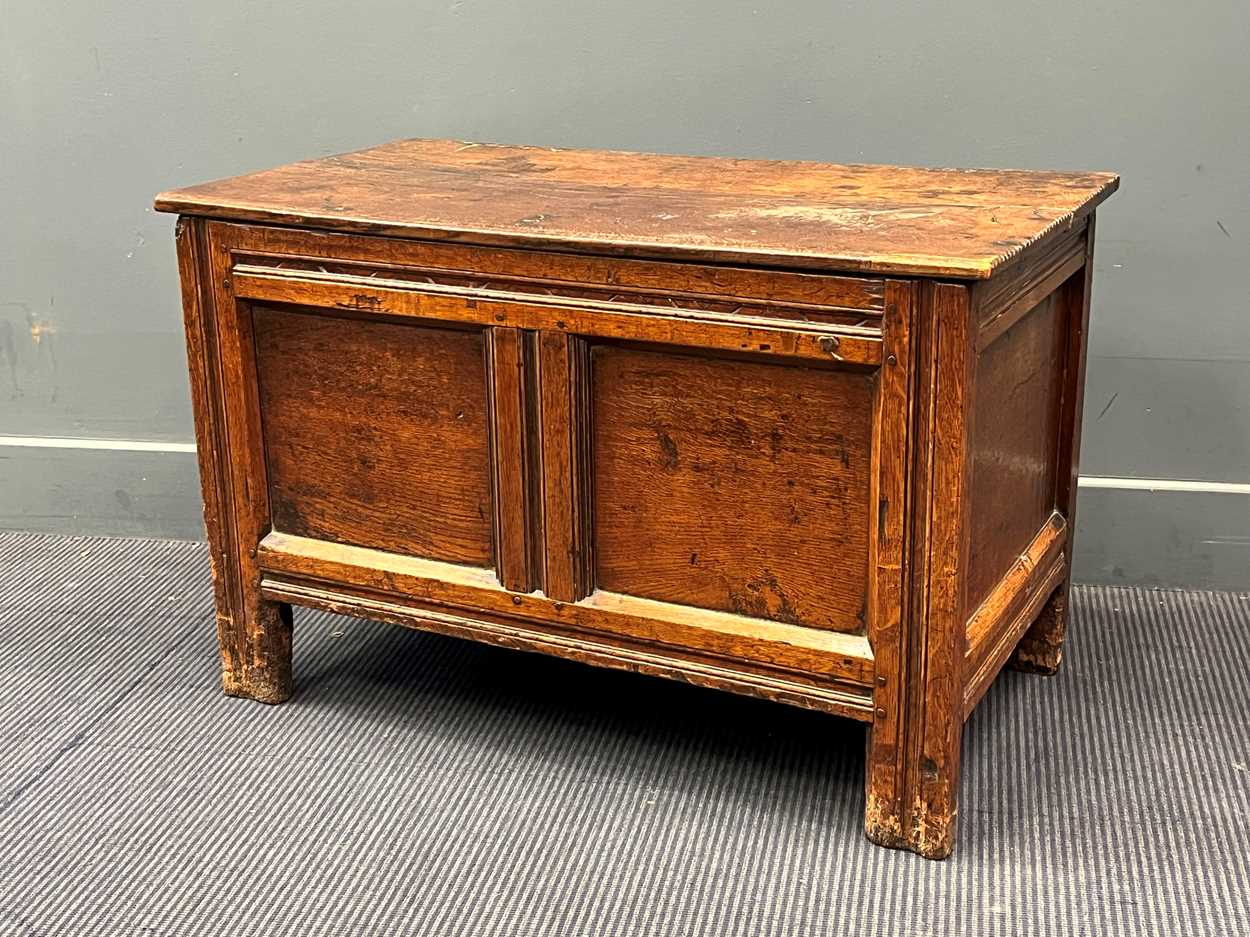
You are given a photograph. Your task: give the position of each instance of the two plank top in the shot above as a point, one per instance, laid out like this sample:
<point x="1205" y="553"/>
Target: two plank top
<point x="963" y="223"/>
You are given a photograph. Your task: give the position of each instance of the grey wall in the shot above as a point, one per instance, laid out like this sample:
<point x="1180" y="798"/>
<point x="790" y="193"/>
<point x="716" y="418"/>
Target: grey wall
<point x="103" y="106"/>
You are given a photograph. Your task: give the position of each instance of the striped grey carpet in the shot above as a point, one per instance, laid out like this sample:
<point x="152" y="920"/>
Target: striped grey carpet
<point x="421" y="785"/>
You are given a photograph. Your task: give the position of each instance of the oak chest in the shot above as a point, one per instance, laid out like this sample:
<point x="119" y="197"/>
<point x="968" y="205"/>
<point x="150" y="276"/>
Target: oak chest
<point x="796" y="430"/>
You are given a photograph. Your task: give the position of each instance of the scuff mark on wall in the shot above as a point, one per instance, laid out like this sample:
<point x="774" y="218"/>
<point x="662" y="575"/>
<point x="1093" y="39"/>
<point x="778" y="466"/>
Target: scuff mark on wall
<point x="1104" y="410"/>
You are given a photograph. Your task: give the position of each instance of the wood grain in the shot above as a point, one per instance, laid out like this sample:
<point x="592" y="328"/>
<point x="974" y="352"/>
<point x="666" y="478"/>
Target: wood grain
<point x="515" y="459"/>
<point x="601" y="650"/>
<point x="1015" y="435"/>
<point x="935" y="712"/>
<point x="563" y="388"/>
<point x="1000" y="621"/>
<point x="918" y="812"/>
<point x="775" y="293"/>
<point x="1035" y="602"/>
<point x="201" y="345"/>
<point x="985" y="625"/>
<point x="376" y="434"/>
<point x="885" y="219"/>
<point x="825" y="655"/>
<point x="733" y="485"/>
<point x="1025" y="282"/>
<point x="254" y="634"/>
<point x="1041" y="648"/>
<point x="403" y="299"/>
<point x="889" y="631"/>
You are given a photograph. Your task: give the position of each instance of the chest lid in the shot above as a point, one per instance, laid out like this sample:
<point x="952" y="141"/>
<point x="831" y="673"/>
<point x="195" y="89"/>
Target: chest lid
<point x="962" y="223"/>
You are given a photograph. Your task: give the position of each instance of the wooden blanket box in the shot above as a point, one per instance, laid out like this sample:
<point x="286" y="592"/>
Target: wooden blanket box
<point x="802" y="431"/>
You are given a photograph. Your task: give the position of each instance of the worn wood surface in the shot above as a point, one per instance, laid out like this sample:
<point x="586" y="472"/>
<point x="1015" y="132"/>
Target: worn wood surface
<point x="999" y="622"/>
<point x="1004" y="300"/>
<point x="886" y="219"/>
<point x="826" y="656"/>
<point x="620" y="652"/>
<point x="916" y="807"/>
<point x="514" y="439"/>
<point x="802" y="296"/>
<point x="576" y="403"/>
<point x="1010" y="295"/>
<point x="892" y="535"/>
<point x="254" y="634"/>
<point x="733" y="485"/>
<point x="1034" y="591"/>
<point x="1041" y="648"/>
<point x="860" y="344"/>
<point x="986" y="622"/>
<point x="376" y="433"/>
<point x="1015" y="423"/>
<point x="563" y="402"/>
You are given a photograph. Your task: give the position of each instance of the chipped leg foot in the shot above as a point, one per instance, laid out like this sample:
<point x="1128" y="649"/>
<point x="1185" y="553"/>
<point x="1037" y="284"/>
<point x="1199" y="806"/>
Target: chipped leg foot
<point x="1040" y="651"/>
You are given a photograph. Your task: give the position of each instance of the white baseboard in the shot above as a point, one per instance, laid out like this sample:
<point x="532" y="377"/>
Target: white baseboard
<point x="80" y="442"/>
<point x="1164" y="484"/>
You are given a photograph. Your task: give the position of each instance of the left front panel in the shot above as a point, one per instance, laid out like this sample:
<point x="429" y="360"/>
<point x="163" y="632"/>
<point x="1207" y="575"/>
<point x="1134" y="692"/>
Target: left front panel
<point x="353" y="429"/>
<point x="375" y="433"/>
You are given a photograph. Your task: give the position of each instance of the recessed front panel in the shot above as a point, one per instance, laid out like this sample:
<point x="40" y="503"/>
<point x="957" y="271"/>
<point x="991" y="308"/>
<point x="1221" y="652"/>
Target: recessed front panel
<point x="376" y="433"/>
<point x="732" y="485"/>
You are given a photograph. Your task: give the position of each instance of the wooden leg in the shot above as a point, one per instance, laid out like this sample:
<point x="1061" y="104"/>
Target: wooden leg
<point x="914" y="742"/>
<point x="254" y="634"/>
<point x="913" y="806"/>
<point x="1041" y="648"/>
<point x="256" y="652"/>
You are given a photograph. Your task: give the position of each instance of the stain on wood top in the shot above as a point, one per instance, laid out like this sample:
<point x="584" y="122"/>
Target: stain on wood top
<point x="859" y="218"/>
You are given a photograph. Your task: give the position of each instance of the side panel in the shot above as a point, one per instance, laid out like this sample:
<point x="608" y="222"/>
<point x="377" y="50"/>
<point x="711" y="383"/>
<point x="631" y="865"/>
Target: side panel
<point x="1014" y="442"/>
<point x="1026" y="442"/>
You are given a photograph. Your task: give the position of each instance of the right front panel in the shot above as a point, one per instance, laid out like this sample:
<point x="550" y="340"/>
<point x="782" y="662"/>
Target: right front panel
<point x="731" y="484"/>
